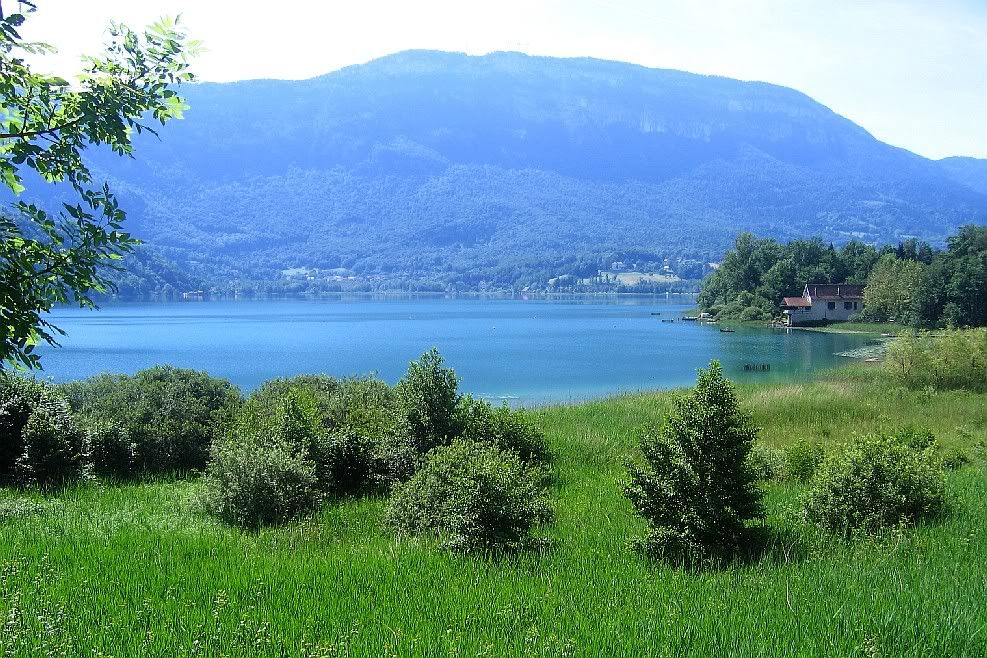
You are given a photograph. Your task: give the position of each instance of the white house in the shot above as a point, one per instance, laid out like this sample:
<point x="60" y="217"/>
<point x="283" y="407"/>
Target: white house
<point x="824" y="302"/>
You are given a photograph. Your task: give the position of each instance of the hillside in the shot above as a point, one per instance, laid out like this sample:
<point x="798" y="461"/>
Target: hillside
<point x="511" y="169"/>
<point x="969" y="171"/>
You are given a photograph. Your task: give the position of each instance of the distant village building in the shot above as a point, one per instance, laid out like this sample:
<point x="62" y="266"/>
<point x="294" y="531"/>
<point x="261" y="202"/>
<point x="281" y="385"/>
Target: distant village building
<point x="824" y="302"/>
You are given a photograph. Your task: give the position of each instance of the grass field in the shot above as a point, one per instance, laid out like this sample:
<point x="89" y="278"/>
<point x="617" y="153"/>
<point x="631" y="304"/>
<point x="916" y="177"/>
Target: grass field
<point x="140" y="570"/>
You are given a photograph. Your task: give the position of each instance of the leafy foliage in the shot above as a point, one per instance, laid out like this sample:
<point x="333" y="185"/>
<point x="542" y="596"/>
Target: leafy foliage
<point x="503" y="427"/>
<point x="428" y="395"/>
<point x="46" y="124"/>
<point x="351" y="422"/>
<point x="893" y="291"/>
<point x="52" y="445"/>
<point x="923" y="287"/>
<point x="946" y="360"/>
<point x="262" y="475"/>
<point x="912" y="284"/>
<point x="18" y="398"/>
<point x="316" y="438"/>
<point x="696" y="488"/>
<point x="40" y="442"/>
<point x="111" y="453"/>
<point x="172" y="415"/>
<point x="874" y="483"/>
<point x="474" y="496"/>
<point x="765" y="462"/>
<point x="802" y="460"/>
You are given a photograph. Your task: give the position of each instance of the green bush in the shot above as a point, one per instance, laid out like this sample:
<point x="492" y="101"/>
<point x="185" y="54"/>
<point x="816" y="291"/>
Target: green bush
<point x="473" y="496"/>
<point x="954" y="459"/>
<point x="18" y="398"/>
<point x="503" y="427"/>
<point x="346" y="460"/>
<point x="875" y="482"/>
<point x="171" y="414"/>
<point x="916" y="438"/>
<point x="802" y="459"/>
<point x="40" y="442"/>
<point x="52" y="445"/>
<point x="426" y="415"/>
<point x="272" y="393"/>
<point x="110" y="451"/>
<point x="262" y="474"/>
<point x="396" y="458"/>
<point x="765" y="462"/>
<point x="428" y="396"/>
<point x="366" y="405"/>
<point x="346" y="424"/>
<point x="696" y="488"/>
<point x="948" y="359"/>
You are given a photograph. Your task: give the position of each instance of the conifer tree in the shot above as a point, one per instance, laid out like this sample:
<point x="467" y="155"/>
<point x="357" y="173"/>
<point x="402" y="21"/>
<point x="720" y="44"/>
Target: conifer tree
<point x="695" y="487"/>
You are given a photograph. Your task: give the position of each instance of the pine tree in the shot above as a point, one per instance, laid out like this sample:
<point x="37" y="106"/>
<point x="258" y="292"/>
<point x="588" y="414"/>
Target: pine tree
<point x="695" y="487"/>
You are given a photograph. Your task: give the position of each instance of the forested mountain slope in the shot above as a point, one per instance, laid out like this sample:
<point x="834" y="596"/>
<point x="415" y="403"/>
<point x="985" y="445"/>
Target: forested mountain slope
<point x="510" y="169"/>
<point x="969" y="171"/>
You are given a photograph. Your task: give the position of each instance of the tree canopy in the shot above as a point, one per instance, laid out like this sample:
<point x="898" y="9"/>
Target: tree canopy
<point x="46" y="126"/>
<point x="913" y="284"/>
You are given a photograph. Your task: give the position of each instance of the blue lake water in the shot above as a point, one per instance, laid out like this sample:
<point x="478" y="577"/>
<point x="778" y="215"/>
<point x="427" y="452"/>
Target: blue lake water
<point x="528" y="352"/>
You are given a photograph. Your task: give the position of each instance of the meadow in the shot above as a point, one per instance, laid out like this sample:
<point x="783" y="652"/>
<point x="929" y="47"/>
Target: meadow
<point x="142" y="570"/>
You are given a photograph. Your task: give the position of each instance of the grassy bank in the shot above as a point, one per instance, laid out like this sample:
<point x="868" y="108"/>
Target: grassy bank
<point x="863" y="328"/>
<point x="140" y="570"/>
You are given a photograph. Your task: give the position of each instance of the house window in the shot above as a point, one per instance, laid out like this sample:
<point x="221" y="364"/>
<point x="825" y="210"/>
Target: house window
<point x="848" y="305"/>
<point x="831" y="305"/>
<point x="855" y="306"/>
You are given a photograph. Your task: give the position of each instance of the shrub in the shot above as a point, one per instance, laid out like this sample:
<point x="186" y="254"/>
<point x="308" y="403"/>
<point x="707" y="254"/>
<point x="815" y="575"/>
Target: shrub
<point x="428" y="397"/>
<point x="696" y="488"/>
<point x="110" y="451"/>
<point x="346" y="460"/>
<point x="18" y="398"/>
<point x="875" y="482"/>
<point x="396" y="458"/>
<point x="474" y="496"/>
<point x="272" y="393"/>
<point x="916" y="438"/>
<point x="954" y="459"/>
<point x="949" y="359"/>
<point x="802" y="459"/>
<point x="765" y="462"/>
<point x="40" y="443"/>
<point x="52" y="445"/>
<point x="505" y="428"/>
<point x="364" y="404"/>
<point x="262" y="475"/>
<point x="171" y="414"/>
<point x="345" y="424"/>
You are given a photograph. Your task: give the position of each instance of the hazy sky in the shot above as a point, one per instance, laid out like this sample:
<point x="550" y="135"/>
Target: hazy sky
<point x="912" y="72"/>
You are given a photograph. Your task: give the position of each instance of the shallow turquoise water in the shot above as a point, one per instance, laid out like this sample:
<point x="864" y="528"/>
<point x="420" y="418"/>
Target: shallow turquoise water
<point x="525" y="351"/>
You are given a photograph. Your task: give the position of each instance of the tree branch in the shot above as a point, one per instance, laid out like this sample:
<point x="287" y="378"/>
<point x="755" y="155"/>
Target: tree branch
<point x="46" y="131"/>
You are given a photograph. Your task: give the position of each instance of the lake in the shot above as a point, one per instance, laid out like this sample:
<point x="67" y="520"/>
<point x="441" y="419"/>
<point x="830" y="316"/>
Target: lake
<point x="527" y="352"/>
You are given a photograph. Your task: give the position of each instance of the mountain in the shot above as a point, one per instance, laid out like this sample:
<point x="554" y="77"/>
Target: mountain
<point x="968" y="171"/>
<point x="510" y="169"/>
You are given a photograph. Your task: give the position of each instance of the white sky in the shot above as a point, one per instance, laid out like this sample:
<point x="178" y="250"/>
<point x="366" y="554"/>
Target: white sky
<point x="912" y="72"/>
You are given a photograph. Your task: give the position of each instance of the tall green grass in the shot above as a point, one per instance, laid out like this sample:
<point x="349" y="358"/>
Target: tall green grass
<point x="141" y="570"/>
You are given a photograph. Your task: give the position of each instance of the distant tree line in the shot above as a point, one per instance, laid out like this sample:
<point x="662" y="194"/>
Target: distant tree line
<point x="913" y="283"/>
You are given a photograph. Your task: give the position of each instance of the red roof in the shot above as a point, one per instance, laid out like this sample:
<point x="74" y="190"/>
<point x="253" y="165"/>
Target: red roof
<point x="795" y="301"/>
<point x="851" y="291"/>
